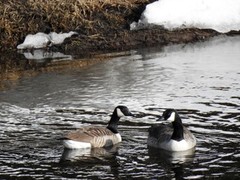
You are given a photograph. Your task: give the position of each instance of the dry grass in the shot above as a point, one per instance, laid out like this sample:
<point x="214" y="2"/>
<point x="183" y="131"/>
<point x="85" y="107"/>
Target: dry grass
<point x="21" y="17"/>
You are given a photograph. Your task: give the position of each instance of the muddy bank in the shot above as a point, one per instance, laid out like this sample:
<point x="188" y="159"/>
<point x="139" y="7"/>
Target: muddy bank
<point x="102" y="27"/>
<point x="126" y="40"/>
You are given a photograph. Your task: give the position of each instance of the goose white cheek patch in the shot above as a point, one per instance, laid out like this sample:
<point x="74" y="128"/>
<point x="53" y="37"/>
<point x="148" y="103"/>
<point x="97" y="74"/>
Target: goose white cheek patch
<point x="119" y="113"/>
<point x="172" y="117"/>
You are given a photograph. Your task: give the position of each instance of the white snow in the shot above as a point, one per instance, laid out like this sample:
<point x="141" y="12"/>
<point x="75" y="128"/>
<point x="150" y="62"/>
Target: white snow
<point x="38" y="40"/>
<point x="220" y="15"/>
<point x="59" y="38"/>
<point x="42" y="40"/>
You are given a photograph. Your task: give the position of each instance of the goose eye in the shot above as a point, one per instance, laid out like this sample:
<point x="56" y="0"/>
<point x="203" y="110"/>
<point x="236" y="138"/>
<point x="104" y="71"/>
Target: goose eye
<point x="169" y="114"/>
<point x="125" y="111"/>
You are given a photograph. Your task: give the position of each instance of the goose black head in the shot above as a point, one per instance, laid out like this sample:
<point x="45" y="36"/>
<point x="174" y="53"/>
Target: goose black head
<point x="123" y="111"/>
<point x="169" y="115"/>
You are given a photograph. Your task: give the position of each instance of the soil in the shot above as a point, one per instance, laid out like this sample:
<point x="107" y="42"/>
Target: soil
<point x="124" y="39"/>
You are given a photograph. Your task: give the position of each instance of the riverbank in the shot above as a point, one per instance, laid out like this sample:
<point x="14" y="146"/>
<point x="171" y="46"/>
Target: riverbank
<point x="102" y="27"/>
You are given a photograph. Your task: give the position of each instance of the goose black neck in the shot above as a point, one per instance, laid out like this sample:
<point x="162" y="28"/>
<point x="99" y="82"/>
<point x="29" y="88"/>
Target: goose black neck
<point x="177" y="129"/>
<point x="113" y="123"/>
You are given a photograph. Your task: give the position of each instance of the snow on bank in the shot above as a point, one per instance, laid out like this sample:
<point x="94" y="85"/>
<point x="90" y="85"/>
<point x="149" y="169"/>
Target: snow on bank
<point x="220" y="15"/>
<point x="42" y="40"/>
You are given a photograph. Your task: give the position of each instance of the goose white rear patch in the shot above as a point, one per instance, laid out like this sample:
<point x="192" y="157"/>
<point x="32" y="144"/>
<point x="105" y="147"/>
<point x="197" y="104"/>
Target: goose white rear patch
<point x="70" y="144"/>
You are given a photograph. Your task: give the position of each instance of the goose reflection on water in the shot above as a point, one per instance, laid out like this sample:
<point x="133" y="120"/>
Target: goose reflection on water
<point x="173" y="160"/>
<point x="169" y="157"/>
<point x="88" y="153"/>
<point x="80" y="160"/>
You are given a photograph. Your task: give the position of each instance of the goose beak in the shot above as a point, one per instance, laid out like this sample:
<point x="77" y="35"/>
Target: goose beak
<point x="130" y="114"/>
<point x="161" y="118"/>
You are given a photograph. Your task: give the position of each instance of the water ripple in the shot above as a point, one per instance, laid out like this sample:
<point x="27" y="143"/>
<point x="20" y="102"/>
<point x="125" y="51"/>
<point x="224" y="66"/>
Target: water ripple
<point x="202" y="85"/>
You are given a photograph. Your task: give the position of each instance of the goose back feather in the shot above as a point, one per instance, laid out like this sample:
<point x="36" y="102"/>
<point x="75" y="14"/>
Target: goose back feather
<point x="96" y="136"/>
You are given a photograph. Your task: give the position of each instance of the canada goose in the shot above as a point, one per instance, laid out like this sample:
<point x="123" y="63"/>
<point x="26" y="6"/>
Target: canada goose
<point x="94" y="136"/>
<point x="173" y="137"/>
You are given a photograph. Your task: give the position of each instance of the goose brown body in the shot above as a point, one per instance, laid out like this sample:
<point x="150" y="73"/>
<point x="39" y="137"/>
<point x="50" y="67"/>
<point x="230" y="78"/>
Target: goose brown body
<point x="96" y="136"/>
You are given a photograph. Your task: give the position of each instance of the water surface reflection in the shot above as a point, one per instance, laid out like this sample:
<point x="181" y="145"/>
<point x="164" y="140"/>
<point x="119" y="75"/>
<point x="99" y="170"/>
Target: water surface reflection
<point x="200" y="80"/>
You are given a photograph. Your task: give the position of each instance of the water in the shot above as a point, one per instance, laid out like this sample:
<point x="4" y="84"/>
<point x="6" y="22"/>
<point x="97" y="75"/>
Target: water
<point x="201" y="81"/>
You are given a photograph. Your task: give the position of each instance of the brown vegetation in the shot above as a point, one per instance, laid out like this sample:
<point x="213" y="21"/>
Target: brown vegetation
<point x="90" y="18"/>
<point x="102" y="24"/>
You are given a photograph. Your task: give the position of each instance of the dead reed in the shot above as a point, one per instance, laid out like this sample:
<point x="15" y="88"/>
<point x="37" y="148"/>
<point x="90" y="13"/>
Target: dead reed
<point x="89" y="17"/>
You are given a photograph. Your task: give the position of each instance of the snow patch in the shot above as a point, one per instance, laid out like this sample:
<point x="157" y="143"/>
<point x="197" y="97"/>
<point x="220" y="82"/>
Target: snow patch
<point x="220" y="15"/>
<point x="42" y="40"/>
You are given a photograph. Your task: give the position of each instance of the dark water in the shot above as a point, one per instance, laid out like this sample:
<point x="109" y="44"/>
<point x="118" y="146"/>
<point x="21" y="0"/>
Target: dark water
<point x="201" y="81"/>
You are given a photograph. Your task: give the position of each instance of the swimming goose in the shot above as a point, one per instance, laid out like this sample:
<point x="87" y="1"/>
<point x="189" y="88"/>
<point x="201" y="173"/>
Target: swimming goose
<point x="94" y="136"/>
<point x="173" y="137"/>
